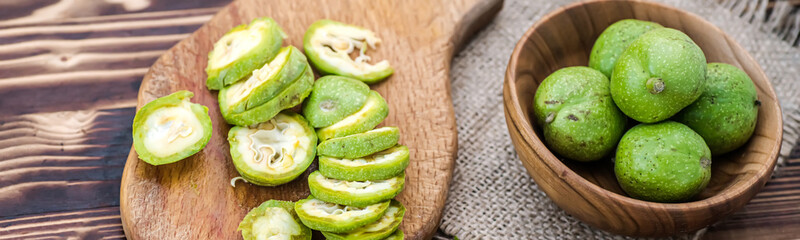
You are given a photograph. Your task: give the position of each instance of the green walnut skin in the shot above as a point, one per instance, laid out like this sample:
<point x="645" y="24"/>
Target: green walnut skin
<point x="293" y="67"/>
<point x="726" y="114"/>
<point x="172" y="100"/>
<point x="661" y="72"/>
<point x="360" y="145"/>
<point x="348" y="198"/>
<point x="330" y="224"/>
<point x="259" y="178"/>
<point x="267" y="48"/>
<point x="397" y="235"/>
<point x="371" y="114"/>
<point x="292" y="96"/>
<point x="326" y="68"/>
<point x="370" y="171"/>
<point x="615" y="39"/>
<point x="662" y="162"/>
<point x="246" y="226"/>
<point x="580" y="121"/>
<point x="380" y="229"/>
<point x="333" y="99"/>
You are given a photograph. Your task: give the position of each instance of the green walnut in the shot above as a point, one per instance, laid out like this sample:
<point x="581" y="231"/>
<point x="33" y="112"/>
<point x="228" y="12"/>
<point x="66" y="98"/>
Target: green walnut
<point x="574" y="108"/>
<point x="662" y="162"/>
<point x="333" y="99"/>
<point x="273" y="219"/>
<point x="614" y="40"/>
<point x="380" y="229"/>
<point x="331" y="217"/>
<point x="659" y="74"/>
<point x="289" y="97"/>
<point x="267" y="82"/>
<point x="170" y="129"/>
<point x="242" y="50"/>
<point x="329" y="44"/>
<point x="381" y="165"/>
<point x="273" y="152"/>
<point x="397" y="235"/>
<point x="361" y="144"/>
<point x="354" y="193"/>
<point x="371" y="114"/>
<point x="725" y="115"/>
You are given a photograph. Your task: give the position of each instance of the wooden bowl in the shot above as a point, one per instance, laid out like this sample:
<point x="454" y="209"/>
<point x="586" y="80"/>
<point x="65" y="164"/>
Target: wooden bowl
<point x="589" y="191"/>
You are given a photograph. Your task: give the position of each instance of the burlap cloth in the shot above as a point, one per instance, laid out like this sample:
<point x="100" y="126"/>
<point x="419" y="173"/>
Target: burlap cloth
<point x="491" y="195"/>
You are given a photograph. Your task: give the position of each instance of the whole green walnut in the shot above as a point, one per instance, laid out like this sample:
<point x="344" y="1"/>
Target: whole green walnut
<point x="574" y="108"/>
<point x="614" y="40"/>
<point x="662" y="162"/>
<point x="659" y="74"/>
<point x="725" y="115"/>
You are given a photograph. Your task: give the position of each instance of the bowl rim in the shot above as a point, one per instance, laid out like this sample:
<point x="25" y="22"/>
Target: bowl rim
<point x="516" y="117"/>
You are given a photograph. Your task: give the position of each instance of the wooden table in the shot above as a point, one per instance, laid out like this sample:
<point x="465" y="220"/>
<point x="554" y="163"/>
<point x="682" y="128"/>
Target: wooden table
<point x="69" y="76"/>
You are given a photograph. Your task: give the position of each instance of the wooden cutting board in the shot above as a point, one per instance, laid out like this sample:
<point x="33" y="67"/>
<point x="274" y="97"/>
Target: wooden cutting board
<point x="192" y="199"/>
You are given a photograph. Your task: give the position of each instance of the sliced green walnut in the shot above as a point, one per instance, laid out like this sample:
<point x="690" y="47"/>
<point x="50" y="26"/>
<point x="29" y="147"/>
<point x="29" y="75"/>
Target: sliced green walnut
<point x="288" y="98"/>
<point x="273" y="220"/>
<point x="273" y="152"/>
<point x="331" y="217"/>
<point x="170" y="129"/>
<point x="268" y="81"/>
<point x="397" y="235"/>
<point x="242" y="50"/>
<point x="381" y="165"/>
<point x="329" y="44"/>
<point x="377" y="230"/>
<point x="354" y="193"/>
<point x="333" y="99"/>
<point x="361" y="144"/>
<point x="371" y="114"/>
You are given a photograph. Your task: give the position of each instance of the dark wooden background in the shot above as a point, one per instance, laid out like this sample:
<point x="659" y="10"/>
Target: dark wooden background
<point x="69" y="76"/>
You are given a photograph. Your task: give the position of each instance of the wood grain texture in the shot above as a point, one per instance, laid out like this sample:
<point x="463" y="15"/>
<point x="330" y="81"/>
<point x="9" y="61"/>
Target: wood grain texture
<point x="774" y="213"/>
<point x="68" y="97"/>
<point x="25" y="12"/>
<point x="98" y="223"/>
<point x="192" y="199"/>
<point x="590" y="191"/>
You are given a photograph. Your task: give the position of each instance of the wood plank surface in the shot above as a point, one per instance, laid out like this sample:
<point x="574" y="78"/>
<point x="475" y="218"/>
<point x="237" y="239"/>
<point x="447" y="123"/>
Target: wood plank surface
<point x="68" y="87"/>
<point x="65" y="125"/>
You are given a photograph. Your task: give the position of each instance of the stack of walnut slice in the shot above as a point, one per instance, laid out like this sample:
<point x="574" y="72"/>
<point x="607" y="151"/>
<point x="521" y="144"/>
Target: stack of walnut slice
<point x="361" y="169"/>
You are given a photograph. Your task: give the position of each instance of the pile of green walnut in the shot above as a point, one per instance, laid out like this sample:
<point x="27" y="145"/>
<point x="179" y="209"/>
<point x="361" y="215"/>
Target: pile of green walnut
<point x="361" y="169"/>
<point x="687" y="109"/>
